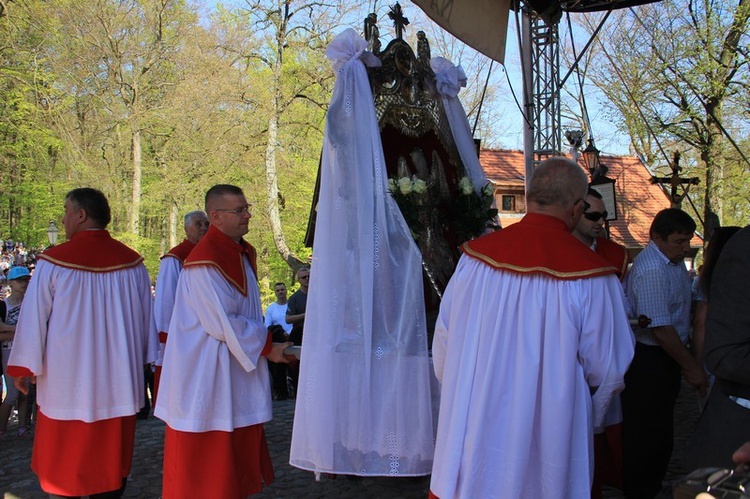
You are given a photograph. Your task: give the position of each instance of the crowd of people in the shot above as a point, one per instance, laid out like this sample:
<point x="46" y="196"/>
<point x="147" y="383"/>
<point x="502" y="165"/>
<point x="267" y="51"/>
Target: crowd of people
<point x="17" y="261"/>
<point x="15" y="253"/>
<point x="548" y="386"/>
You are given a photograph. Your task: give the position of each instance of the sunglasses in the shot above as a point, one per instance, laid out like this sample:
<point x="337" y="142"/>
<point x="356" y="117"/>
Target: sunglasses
<point x="595" y="215"/>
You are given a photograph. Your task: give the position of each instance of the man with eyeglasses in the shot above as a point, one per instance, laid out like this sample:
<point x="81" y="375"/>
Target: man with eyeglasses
<point x="531" y="344"/>
<point x="215" y="391"/>
<point x="607" y="440"/>
<point x="196" y="226"/>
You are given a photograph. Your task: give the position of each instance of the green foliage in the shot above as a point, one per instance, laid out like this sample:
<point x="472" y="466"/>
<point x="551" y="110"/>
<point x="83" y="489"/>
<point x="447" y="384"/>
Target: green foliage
<point x="33" y="176"/>
<point x="78" y="79"/>
<point x="675" y="73"/>
<point x="148" y="248"/>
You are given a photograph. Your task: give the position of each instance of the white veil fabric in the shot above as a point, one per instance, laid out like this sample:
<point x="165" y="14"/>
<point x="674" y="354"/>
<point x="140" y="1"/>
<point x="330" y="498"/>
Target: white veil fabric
<point x="449" y="80"/>
<point x="364" y="400"/>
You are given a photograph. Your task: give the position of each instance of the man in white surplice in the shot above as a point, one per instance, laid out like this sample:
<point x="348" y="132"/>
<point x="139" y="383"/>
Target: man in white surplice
<point x="364" y="401"/>
<point x="215" y="390"/>
<point x="531" y="325"/>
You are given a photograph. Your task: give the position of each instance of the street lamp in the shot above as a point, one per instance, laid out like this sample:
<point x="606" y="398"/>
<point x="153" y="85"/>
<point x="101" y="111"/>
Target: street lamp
<point x="600" y="182"/>
<point x="52" y="233"/>
<point x="591" y="158"/>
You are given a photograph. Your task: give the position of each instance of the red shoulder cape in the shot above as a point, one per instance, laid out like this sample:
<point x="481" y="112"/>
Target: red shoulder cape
<point x="181" y="251"/>
<point x="615" y="254"/>
<point x="538" y="244"/>
<point x="93" y="251"/>
<point x="217" y="250"/>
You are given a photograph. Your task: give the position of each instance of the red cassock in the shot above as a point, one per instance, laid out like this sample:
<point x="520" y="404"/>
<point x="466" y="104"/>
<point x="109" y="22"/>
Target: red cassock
<point x="215" y="388"/>
<point x="608" y="445"/>
<point x="85" y="332"/>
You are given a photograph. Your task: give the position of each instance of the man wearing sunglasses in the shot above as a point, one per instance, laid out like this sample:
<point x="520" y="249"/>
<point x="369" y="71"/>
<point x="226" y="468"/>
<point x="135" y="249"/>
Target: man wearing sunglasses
<point x="590" y="231"/>
<point x="295" y="315"/>
<point x="607" y="441"/>
<point x="295" y="311"/>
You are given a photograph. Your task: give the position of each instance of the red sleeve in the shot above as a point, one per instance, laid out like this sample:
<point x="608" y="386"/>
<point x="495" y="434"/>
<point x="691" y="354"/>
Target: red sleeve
<point x="18" y="372"/>
<point x="267" y="348"/>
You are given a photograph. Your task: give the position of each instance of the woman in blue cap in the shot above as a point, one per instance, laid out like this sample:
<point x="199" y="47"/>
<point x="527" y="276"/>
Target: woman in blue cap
<point x="18" y="280"/>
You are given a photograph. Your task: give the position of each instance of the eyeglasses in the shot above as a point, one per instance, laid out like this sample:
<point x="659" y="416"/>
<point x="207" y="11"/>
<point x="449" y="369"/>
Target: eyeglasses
<point x="237" y="211"/>
<point x="22" y="279"/>
<point x="595" y="215"/>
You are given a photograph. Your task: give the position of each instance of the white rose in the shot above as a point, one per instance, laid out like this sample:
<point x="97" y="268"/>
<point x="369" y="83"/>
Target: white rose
<point x="419" y="186"/>
<point x="488" y="190"/>
<point x="464" y="185"/>
<point x="404" y="185"/>
<point x="392" y="185"/>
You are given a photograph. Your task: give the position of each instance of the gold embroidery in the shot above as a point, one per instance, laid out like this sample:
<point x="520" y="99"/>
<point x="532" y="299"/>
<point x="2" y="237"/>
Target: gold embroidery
<point x="91" y="269"/>
<point x="544" y="270"/>
<point x="209" y="263"/>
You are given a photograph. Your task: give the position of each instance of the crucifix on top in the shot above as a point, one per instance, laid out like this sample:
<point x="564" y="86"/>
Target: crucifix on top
<point x="675" y="181"/>
<point x="399" y="21"/>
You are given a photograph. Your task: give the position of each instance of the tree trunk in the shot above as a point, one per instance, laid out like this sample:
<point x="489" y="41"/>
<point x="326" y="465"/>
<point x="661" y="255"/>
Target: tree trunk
<point x="135" y="212"/>
<point x="712" y="156"/>
<point x="272" y="184"/>
<point x="173" y="221"/>
<point x="272" y="193"/>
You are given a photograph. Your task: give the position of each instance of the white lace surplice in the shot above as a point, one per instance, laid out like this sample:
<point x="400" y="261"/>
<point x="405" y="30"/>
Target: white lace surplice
<point x="363" y="402"/>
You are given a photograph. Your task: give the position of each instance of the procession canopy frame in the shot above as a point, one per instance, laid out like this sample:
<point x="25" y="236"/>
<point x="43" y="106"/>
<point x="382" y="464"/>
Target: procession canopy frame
<point x="417" y="141"/>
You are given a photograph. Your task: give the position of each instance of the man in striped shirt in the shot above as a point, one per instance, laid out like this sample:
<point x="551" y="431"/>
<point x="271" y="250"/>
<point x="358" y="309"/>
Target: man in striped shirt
<point x="658" y="286"/>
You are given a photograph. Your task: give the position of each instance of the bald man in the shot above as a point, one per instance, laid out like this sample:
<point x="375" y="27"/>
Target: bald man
<point x="531" y="343"/>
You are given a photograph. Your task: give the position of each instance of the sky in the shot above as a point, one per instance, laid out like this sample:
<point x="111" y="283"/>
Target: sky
<point x="607" y="138"/>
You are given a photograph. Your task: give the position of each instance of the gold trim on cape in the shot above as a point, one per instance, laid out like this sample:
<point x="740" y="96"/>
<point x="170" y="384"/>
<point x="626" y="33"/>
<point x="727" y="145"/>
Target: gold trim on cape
<point x="544" y="270"/>
<point x="210" y="263"/>
<point x="65" y="264"/>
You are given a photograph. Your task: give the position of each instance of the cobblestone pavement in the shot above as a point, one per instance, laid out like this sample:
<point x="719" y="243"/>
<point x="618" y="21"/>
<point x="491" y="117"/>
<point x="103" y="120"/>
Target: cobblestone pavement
<point x="18" y="482"/>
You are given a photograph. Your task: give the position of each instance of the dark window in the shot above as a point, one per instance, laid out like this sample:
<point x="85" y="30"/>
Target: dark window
<point x="509" y="203"/>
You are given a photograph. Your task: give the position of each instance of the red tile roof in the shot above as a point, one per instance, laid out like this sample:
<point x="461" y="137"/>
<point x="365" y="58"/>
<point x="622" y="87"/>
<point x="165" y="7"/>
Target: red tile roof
<point x="638" y="200"/>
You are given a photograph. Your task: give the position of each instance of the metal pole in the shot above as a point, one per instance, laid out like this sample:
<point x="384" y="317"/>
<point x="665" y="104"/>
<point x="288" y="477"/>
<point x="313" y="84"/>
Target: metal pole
<point x="528" y="94"/>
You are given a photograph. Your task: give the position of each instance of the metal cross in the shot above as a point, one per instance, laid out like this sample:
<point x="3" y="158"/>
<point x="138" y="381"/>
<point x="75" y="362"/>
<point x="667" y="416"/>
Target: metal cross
<point x="399" y="21"/>
<point x="675" y="181"/>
